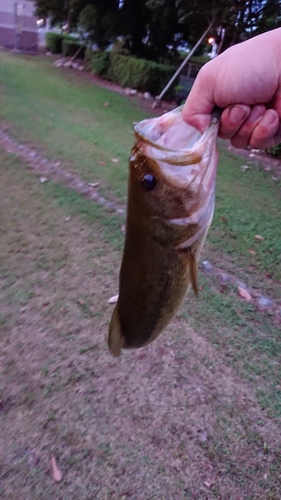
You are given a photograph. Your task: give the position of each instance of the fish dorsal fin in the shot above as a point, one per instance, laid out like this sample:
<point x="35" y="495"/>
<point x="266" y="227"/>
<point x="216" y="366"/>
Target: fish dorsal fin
<point x="193" y="272"/>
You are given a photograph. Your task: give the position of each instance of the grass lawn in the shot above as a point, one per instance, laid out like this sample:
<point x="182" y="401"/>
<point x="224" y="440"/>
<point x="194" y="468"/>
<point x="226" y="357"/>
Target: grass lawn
<point x="195" y="415"/>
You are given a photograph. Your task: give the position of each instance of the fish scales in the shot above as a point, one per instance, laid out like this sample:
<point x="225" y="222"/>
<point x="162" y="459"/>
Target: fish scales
<point x="171" y="187"/>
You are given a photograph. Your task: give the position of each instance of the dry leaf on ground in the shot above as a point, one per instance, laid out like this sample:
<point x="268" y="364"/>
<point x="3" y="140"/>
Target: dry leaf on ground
<point x="258" y="237"/>
<point x="208" y="484"/>
<point x="244" y="294"/>
<point x="93" y="184"/>
<point x="114" y="160"/>
<point x="57" y="475"/>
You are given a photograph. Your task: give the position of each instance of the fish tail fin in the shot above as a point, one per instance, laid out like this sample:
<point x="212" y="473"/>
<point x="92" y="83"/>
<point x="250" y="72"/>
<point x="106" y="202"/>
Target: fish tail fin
<point x="193" y="272"/>
<point x="115" y="337"/>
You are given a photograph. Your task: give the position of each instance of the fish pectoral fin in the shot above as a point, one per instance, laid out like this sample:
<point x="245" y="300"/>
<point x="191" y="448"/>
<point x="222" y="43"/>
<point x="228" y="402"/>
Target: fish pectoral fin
<point x="193" y="270"/>
<point x="115" y="337"/>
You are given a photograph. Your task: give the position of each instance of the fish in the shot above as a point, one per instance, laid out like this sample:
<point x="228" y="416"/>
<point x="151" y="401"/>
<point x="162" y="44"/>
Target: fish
<point x="170" y="205"/>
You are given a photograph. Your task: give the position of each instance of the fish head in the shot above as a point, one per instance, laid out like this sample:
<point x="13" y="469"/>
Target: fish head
<point x="172" y="176"/>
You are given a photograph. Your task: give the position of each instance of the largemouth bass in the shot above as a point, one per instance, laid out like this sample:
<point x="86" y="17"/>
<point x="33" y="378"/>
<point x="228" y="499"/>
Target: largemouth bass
<point x="171" y="187"/>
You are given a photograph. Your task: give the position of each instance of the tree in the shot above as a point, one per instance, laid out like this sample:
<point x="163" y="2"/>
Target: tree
<point x="270" y="16"/>
<point x="99" y="22"/>
<point x="57" y="10"/>
<point x="235" y="20"/>
<point x="162" y="26"/>
<point x="133" y="20"/>
<point x="147" y="27"/>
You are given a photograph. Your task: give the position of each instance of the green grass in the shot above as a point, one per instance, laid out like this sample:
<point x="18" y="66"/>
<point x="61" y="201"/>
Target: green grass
<point x="64" y="114"/>
<point x="247" y="204"/>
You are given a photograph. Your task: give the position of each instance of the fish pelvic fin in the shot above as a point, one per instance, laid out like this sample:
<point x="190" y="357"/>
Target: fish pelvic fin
<point x="115" y="337"/>
<point x="193" y="271"/>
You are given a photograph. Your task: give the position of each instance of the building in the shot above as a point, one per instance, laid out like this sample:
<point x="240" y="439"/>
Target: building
<point x="18" y="25"/>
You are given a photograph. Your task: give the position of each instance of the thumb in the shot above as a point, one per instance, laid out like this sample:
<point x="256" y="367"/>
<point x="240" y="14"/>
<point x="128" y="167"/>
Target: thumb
<point x="200" y="103"/>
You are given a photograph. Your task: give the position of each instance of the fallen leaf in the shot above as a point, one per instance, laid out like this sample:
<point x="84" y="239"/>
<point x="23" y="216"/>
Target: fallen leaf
<point x="45" y="304"/>
<point x="113" y="299"/>
<point x="245" y="167"/>
<point x="106" y="104"/>
<point x="43" y="179"/>
<point x="57" y="475"/>
<point x="208" y="483"/>
<point x="258" y="237"/>
<point x="252" y="252"/>
<point x="224" y="219"/>
<point x="67" y="219"/>
<point x="81" y="302"/>
<point x="93" y="184"/>
<point x="244" y="294"/>
<point x="123" y="229"/>
<point x="101" y="162"/>
<point x="114" y="160"/>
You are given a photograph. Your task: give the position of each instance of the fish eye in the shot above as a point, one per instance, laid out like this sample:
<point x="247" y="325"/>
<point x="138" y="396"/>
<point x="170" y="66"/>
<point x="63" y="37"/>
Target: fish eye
<point x="148" y="182"/>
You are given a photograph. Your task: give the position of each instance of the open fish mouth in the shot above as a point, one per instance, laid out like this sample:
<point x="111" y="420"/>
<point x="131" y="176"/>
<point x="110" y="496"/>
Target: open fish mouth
<point x="166" y="138"/>
<point x="171" y="189"/>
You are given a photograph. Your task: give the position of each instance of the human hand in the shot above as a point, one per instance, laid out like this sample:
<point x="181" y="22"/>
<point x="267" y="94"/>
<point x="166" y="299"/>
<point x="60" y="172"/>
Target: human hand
<point x="245" y="81"/>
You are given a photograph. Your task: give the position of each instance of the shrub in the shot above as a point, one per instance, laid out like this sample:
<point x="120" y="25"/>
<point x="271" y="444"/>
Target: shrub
<point x="70" y="47"/>
<point x="100" y="63"/>
<point x="275" y="151"/>
<point x="54" y="42"/>
<point x="89" y="58"/>
<point x="129" y="71"/>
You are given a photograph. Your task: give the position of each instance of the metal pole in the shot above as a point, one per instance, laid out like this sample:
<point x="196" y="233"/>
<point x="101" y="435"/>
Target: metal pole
<point x="158" y="98"/>
<point x="15" y="26"/>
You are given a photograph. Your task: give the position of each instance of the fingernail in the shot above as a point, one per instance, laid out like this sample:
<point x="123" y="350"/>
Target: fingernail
<point x="256" y="113"/>
<point x="238" y="113"/>
<point x="269" y="118"/>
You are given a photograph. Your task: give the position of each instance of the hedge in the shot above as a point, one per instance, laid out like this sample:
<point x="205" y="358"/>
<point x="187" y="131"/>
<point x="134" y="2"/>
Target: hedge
<point x="70" y="48"/>
<point x="58" y="43"/>
<point x="54" y="42"/>
<point x="129" y="71"/>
